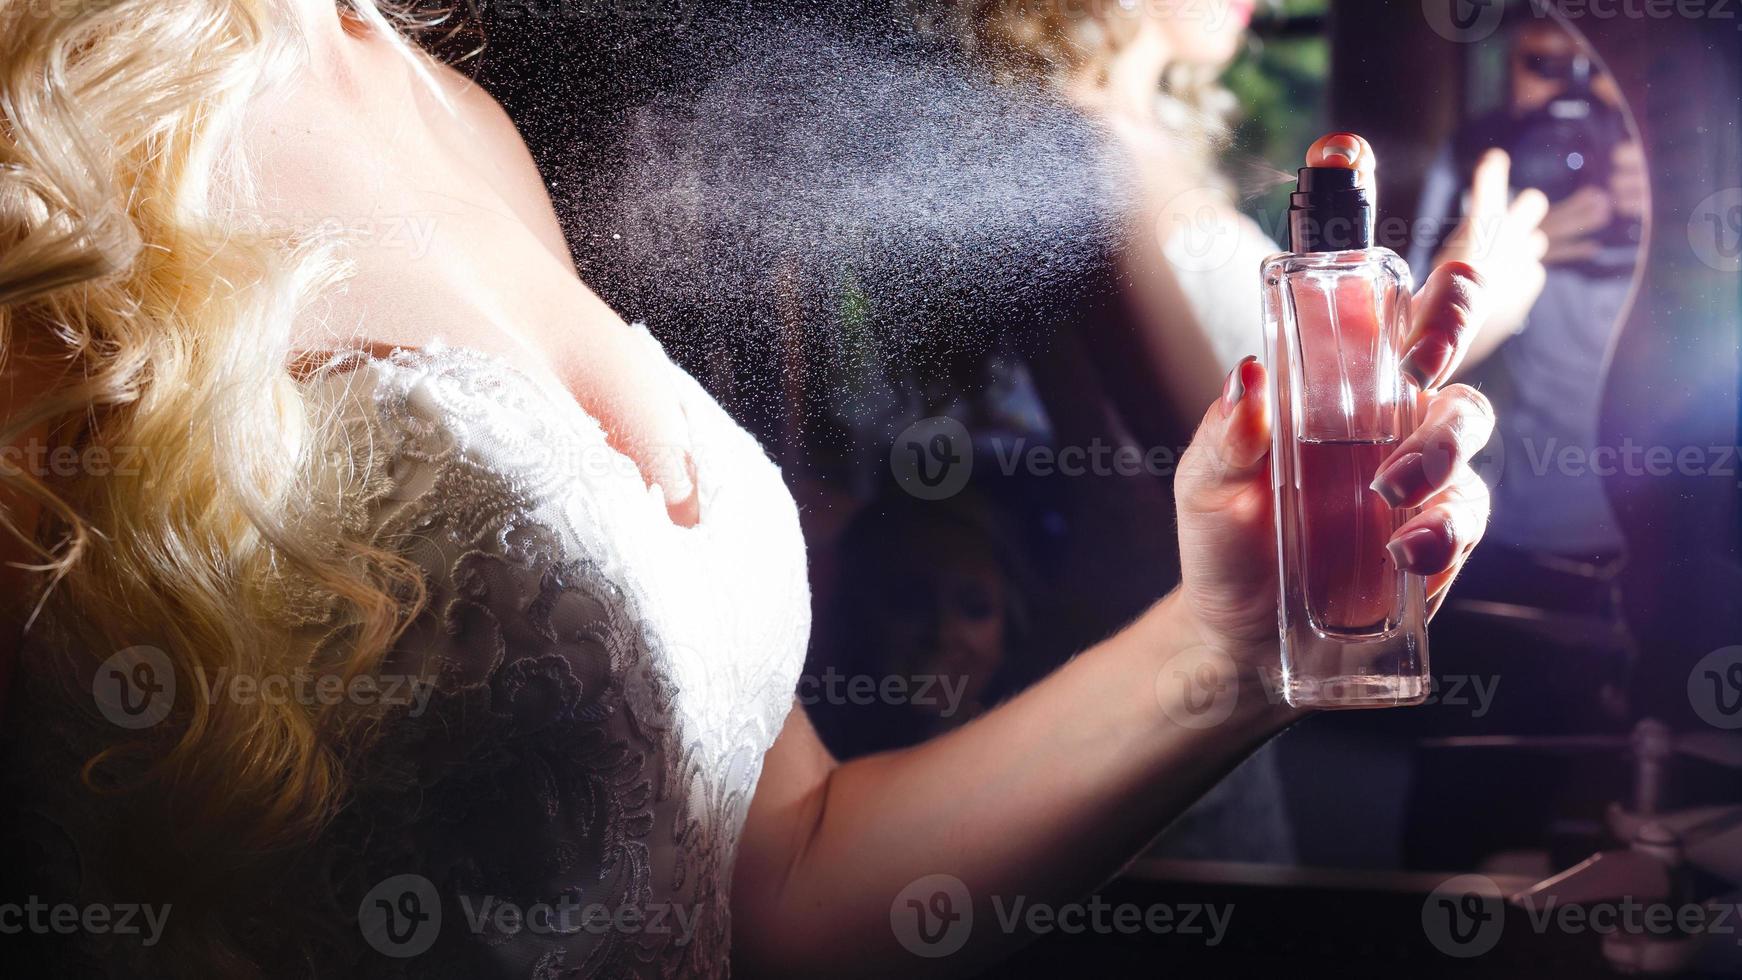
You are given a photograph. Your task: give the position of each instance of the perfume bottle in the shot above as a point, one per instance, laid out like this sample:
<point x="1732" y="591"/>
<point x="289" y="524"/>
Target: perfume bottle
<point x="1336" y="309"/>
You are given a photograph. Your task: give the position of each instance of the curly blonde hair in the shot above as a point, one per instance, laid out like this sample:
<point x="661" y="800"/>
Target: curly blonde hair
<point x="1054" y="41"/>
<point x="132" y="271"/>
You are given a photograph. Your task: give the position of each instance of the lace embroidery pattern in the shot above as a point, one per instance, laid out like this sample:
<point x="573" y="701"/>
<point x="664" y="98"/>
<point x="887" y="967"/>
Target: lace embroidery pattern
<point x="600" y="685"/>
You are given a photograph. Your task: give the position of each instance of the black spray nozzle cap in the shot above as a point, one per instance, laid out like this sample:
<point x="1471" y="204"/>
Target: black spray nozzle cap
<point x="1329" y="211"/>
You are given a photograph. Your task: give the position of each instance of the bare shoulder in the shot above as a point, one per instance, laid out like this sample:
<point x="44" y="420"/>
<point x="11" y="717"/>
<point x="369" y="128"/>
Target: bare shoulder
<point x="475" y="105"/>
<point x="494" y="135"/>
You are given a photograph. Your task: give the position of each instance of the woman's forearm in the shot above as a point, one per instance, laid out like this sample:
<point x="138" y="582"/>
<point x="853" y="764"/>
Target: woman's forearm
<point x="1044" y="798"/>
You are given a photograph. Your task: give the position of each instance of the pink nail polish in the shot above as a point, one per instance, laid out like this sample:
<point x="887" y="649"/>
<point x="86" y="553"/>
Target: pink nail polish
<point x="1424" y="365"/>
<point x="1394" y="482"/>
<point x="1342" y="146"/>
<point x="1234" y="389"/>
<point x="1413" y="549"/>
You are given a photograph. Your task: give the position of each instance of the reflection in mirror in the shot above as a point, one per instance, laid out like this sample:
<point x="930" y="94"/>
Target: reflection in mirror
<point x="1541" y="184"/>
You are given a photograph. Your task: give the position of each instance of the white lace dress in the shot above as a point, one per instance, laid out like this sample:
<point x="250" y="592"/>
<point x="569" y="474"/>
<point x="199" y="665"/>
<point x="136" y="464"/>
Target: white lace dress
<point x="603" y="685"/>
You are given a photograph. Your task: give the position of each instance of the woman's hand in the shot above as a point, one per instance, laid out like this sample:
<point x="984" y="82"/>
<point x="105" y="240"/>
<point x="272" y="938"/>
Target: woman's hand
<point x="1227" y="532"/>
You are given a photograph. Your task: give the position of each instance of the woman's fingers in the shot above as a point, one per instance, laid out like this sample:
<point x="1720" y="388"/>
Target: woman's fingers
<point x="1436" y="540"/>
<point x="1448" y="311"/>
<point x="1455" y="425"/>
<point x="1228" y="451"/>
<point x="1466" y="519"/>
<point x="1431" y="468"/>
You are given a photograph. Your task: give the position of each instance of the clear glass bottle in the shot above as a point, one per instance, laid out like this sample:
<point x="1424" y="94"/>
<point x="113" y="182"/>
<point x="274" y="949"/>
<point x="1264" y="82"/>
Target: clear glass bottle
<point x="1354" y="625"/>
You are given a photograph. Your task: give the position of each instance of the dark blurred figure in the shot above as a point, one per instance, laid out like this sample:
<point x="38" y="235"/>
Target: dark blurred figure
<point x="928" y="624"/>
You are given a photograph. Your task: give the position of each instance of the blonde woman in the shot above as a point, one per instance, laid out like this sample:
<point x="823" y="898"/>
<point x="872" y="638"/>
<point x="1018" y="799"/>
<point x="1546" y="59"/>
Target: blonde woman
<point x="439" y="625"/>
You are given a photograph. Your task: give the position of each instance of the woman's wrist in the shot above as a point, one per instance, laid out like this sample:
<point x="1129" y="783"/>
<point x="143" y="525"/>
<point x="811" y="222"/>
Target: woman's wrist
<point x="1205" y="680"/>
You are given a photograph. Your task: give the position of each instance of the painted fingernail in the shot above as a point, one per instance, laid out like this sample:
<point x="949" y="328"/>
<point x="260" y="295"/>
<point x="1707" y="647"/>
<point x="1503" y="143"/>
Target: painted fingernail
<point x="1399" y="480"/>
<point x="1425" y="361"/>
<point x="1413" y="550"/>
<point x="1234" y="389"/>
<point x="1341" y="145"/>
